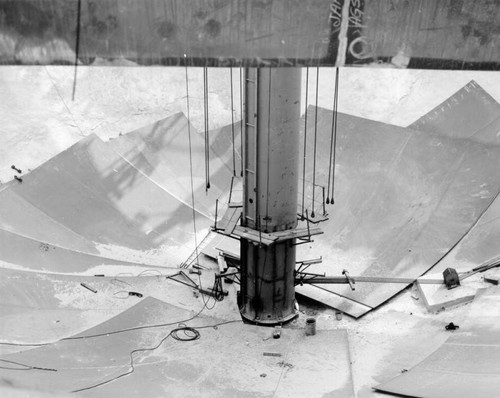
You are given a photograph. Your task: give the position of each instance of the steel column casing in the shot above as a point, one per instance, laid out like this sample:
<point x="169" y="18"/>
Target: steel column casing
<point x="271" y="146"/>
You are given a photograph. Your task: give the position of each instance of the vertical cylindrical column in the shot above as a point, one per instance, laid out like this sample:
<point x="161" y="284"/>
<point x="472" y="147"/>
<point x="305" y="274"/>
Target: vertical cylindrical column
<point x="271" y="156"/>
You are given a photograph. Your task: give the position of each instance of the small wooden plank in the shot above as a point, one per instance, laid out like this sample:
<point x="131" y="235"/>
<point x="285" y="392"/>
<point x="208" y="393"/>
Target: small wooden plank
<point x="233" y="220"/>
<point x="228" y="221"/>
<point x="221" y="261"/>
<point x="274" y="237"/>
<point x="254" y="236"/>
<point x="228" y="253"/>
<point x="333" y="300"/>
<point x="296" y="233"/>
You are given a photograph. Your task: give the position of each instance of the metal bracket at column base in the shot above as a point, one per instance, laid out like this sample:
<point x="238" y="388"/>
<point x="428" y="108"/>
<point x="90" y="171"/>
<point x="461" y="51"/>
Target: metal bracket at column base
<point x="268" y="321"/>
<point x="270" y="238"/>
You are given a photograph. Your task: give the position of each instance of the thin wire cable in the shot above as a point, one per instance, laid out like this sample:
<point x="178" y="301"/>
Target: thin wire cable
<point x="134" y="328"/>
<point x="119" y="331"/>
<point x="335" y="114"/>
<point x="315" y="141"/>
<point x="191" y="165"/>
<point x="77" y="46"/>
<point x="25" y="367"/>
<point x="191" y="333"/>
<point x="205" y="302"/>
<point x="333" y="133"/>
<point x="232" y="121"/>
<point x="241" y="121"/>
<point x="207" y="126"/>
<point x="305" y="145"/>
<point x="173" y="333"/>
<point x="268" y="147"/>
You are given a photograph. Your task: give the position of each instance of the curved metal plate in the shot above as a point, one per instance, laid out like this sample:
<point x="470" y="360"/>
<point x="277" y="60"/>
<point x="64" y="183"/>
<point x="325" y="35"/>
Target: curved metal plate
<point x="94" y="193"/>
<point x="473" y="114"/>
<point x="466" y="365"/>
<point x="177" y="368"/>
<point x="161" y="152"/>
<point x="403" y="199"/>
<point x="17" y="251"/>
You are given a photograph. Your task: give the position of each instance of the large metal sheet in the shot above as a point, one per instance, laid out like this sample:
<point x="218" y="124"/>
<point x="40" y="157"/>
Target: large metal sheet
<point x="466" y="114"/>
<point x="161" y="151"/>
<point x="326" y="297"/>
<point x="471" y="114"/>
<point x="466" y="365"/>
<point x="421" y="34"/>
<point x="315" y="366"/>
<point x="94" y="192"/>
<point x="20" y="217"/>
<point x="37" y="307"/>
<point x="219" y="140"/>
<point x="82" y="362"/>
<point x="17" y="251"/>
<point x="403" y="199"/>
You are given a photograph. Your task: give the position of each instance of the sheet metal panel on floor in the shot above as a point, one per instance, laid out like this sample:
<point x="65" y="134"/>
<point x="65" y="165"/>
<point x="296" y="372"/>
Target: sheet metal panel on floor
<point x="462" y="115"/>
<point x="403" y="199"/>
<point x="466" y="365"/>
<point x="17" y="251"/>
<point x="307" y="366"/>
<point x="161" y="152"/>
<point x="20" y="217"/>
<point x="36" y="307"/>
<point x="472" y="114"/>
<point x="92" y="191"/>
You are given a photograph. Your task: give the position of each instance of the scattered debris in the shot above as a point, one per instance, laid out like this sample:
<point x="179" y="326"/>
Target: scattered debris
<point x="263" y="375"/>
<point x="284" y="364"/>
<point x="492" y="276"/>
<point x="15" y="168"/>
<point x="125" y="294"/>
<point x="451" y="326"/>
<point x="44" y="247"/>
<point x="88" y="287"/>
<point x="310" y="327"/>
<point x="451" y="279"/>
<point x="271" y="354"/>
